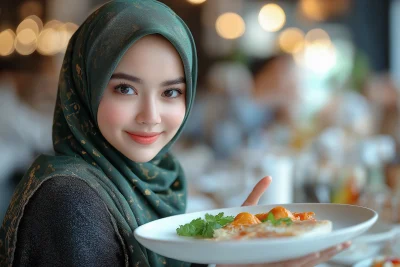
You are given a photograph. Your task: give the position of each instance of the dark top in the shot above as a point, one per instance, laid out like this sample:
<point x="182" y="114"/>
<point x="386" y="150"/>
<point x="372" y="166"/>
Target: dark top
<point x="67" y="224"/>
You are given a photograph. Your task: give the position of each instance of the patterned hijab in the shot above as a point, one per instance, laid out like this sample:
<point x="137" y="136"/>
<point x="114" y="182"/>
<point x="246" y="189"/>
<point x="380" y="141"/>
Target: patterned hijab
<point x="135" y="193"/>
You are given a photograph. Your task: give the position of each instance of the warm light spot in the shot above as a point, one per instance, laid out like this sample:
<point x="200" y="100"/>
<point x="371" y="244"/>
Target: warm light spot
<point x="319" y="57"/>
<point x="65" y="32"/>
<point x="49" y="42"/>
<point x="38" y="21"/>
<point x="26" y="37"/>
<point x="299" y="48"/>
<point x="23" y="45"/>
<point x="317" y="36"/>
<point x="196" y="2"/>
<point x="230" y="26"/>
<point x="52" y="24"/>
<point x="272" y="17"/>
<point x="312" y="9"/>
<point x="291" y="40"/>
<point x="25" y="42"/>
<point x="28" y="24"/>
<point x="7" y="39"/>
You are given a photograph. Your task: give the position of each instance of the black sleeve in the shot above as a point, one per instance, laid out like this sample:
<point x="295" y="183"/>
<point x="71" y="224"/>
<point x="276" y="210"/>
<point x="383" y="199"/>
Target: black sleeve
<point x="67" y="224"/>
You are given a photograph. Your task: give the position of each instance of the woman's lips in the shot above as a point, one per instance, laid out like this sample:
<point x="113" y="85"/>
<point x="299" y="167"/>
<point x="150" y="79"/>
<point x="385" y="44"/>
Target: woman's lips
<point x="144" y="138"/>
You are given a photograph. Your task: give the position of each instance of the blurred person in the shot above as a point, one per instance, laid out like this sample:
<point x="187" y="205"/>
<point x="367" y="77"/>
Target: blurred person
<point x="342" y="124"/>
<point x="124" y="96"/>
<point x="276" y="88"/>
<point x="383" y="96"/>
<point x="226" y="114"/>
<point x="276" y="84"/>
<point x="350" y="111"/>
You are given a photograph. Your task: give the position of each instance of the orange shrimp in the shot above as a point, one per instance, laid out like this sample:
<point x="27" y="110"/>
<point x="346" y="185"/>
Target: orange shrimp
<point x="245" y="218"/>
<point x="278" y="212"/>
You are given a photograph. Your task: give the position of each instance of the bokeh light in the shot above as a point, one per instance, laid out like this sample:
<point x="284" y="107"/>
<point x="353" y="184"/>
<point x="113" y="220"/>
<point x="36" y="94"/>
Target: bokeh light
<point x="7" y="39"/>
<point x="25" y="42"/>
<point x="38" y="21"/>
<point x="312" y="10"/>
<point x="65" y="32"/>
<point x="230" y="26"/>
<point x="319" y="54"/>
<point x="49" y="42"/>
<point x="28" y="24"/>
<point x="52" y="24"/>
<point x="196" y="2"/>
<point x="26" y="37"/>
<point x="320" y="58"/>
<point x="272" y="17"/>
<point x="291" y="40"/>
<point x="317" y="36"/>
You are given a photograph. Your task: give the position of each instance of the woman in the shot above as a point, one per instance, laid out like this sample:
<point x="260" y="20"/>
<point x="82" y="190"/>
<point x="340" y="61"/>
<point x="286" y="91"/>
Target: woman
<point x="126" y="88"/>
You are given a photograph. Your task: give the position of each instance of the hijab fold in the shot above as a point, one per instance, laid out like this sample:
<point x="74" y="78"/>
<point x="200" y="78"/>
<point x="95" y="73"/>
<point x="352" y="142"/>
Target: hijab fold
<point x="135" y="193"/>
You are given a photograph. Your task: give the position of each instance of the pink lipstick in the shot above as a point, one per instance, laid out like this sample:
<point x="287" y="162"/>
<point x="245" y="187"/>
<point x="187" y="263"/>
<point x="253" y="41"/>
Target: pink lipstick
<point x="144" y="138"/>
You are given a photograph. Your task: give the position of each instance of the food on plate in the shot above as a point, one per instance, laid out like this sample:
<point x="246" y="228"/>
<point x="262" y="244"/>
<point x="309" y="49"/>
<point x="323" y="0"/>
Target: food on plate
<point x="278" y="222"/>
<point x="386" y="261"/>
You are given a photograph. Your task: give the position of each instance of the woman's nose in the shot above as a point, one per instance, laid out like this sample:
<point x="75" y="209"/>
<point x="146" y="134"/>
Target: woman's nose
<point x="149" y="113"/>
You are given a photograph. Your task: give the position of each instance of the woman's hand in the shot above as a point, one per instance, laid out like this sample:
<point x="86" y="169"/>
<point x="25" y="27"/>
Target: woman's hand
<point x="309" y="260"/>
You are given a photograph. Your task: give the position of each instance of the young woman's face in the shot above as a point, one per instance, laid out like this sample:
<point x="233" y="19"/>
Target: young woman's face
<point x="143" y="105"/>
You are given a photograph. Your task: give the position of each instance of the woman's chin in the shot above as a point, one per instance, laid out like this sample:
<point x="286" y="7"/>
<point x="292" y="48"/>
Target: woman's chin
<point x="142" y="158"/>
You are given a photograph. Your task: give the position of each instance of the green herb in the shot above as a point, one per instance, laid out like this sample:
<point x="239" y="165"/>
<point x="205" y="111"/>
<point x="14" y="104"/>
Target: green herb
<point x="275" y="222"/>
<point x="204" y="228"/>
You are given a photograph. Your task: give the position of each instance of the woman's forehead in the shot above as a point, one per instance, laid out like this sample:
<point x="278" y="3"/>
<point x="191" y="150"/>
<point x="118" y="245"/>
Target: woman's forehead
<point x="150" y="54"/>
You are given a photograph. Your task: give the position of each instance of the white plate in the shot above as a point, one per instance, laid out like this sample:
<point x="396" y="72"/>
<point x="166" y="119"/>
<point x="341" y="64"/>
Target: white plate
<point x="379" y="232"/>
<point x="365" y="263"/>
<point x="367" y="245"/>
<point x="160" y="236"/>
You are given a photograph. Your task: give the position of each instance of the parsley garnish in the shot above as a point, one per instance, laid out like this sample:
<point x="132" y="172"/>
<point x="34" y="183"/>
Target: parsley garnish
<point x="204" y="228"/>
<point x="275" y="222"/>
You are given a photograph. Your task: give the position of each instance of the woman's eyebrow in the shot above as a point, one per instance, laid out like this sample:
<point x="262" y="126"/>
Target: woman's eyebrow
<point x="126" y="77"/>
<point x="135" y="79"/>
<point x="173" y="82"/>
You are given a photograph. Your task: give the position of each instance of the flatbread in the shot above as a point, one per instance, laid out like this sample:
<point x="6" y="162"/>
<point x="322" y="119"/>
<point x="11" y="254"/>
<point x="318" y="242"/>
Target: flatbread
<point x="268" y="230"/>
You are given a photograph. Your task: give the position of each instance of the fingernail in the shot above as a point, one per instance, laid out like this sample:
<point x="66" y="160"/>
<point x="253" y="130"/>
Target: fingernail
<point x="347" y="244"/>
<point x="316" y="255"/>
<point x="339" y="247"/>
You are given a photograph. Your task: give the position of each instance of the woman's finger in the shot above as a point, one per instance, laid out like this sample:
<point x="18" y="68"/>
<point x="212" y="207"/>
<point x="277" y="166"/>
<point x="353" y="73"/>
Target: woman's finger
<point x="257" y="192"/>
<point x="327" y="254"/>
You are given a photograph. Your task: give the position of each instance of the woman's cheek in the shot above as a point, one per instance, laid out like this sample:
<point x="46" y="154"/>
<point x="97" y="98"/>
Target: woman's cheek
<point x="176" y="116"/>
<point x="114" y="113"/>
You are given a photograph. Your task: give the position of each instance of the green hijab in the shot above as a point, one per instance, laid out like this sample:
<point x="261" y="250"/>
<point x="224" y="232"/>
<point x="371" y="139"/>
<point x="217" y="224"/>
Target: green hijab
<point x="135" y="193"/>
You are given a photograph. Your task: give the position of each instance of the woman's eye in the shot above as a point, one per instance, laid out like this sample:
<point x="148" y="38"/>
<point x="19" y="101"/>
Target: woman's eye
<point x="172" y="93"/>
<point x="125" y="89"/>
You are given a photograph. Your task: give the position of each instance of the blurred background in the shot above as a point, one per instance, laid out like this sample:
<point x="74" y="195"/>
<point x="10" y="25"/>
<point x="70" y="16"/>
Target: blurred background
<point x="306" y="91"/>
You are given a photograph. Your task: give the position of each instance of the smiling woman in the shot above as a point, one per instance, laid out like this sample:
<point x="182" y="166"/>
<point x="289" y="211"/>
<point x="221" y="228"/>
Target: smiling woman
<point x="126" y="88"/>
<point x="143" y="105"/>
